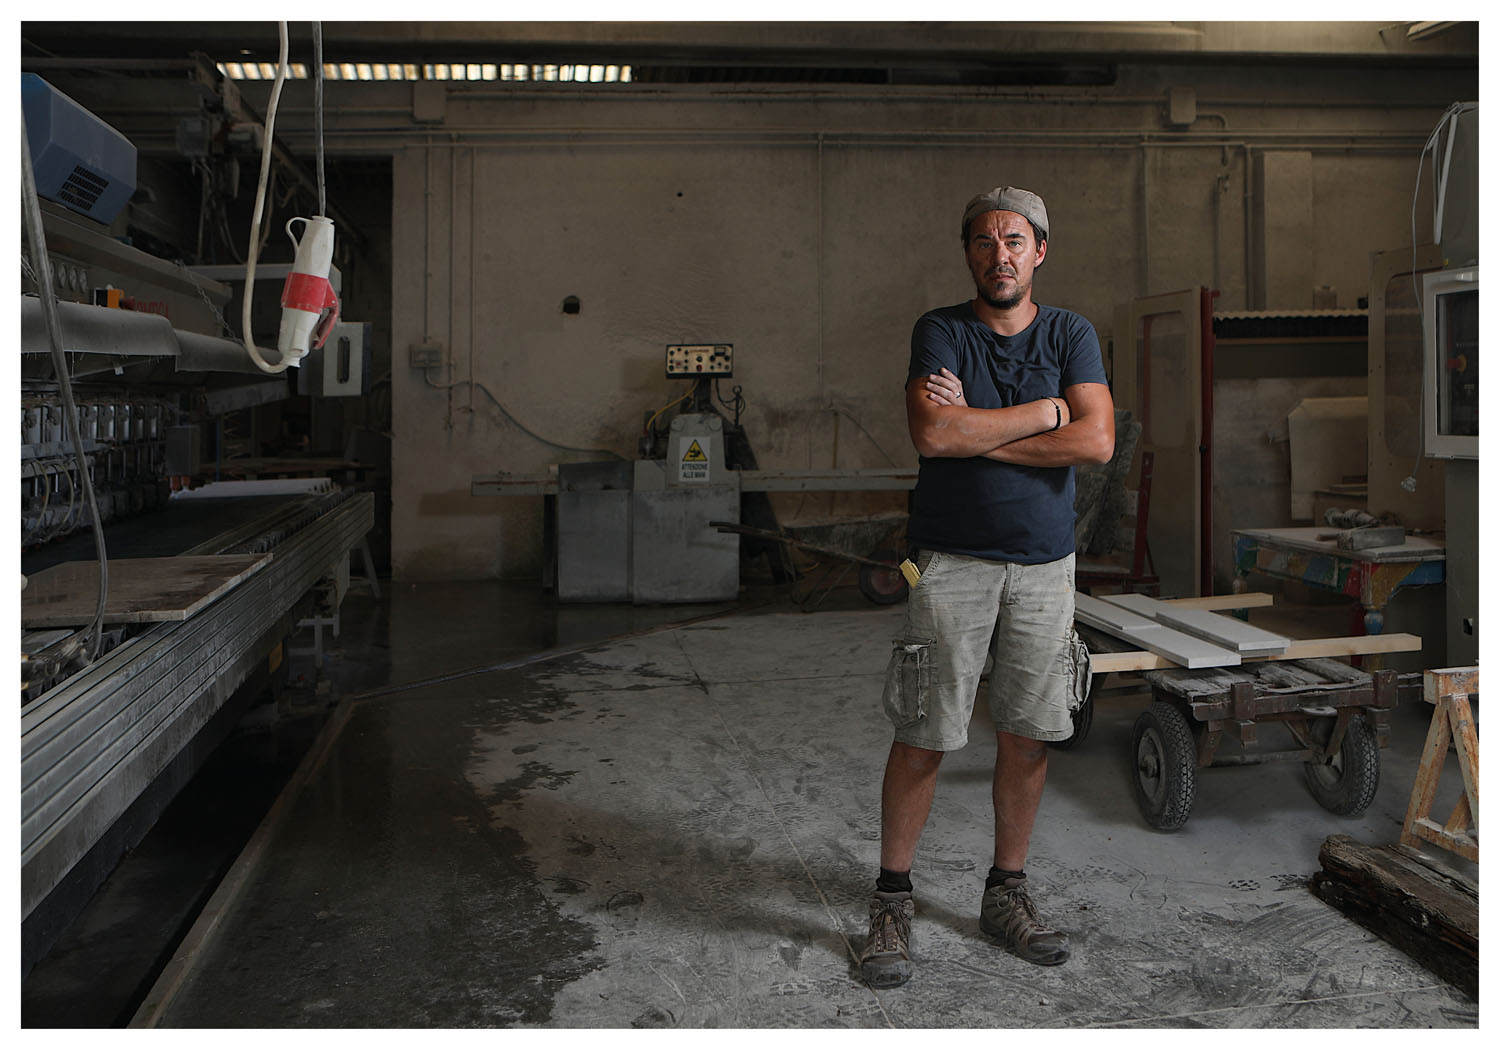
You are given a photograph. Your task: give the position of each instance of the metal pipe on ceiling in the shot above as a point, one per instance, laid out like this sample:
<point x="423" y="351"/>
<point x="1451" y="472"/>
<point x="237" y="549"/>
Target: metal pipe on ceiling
<point x="565" y="94"/>
<point x="614" y="137"/>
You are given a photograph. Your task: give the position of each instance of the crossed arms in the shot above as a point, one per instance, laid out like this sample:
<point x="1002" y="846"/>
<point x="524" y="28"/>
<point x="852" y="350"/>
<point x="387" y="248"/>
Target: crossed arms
<point x="943" y="424"/>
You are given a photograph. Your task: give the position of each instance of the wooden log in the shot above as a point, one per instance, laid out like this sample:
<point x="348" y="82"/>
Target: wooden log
<point x="1409" y="899"/>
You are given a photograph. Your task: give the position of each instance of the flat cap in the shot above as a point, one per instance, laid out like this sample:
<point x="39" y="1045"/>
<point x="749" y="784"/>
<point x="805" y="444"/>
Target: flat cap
<point x="1007" y="198"/>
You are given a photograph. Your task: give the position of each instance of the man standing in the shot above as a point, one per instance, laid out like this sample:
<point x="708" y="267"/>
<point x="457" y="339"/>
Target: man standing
<point x="1003" y="397"/>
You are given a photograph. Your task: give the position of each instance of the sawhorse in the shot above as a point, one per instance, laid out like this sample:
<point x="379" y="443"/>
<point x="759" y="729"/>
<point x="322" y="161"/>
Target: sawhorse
<point x="1448" y="691"/>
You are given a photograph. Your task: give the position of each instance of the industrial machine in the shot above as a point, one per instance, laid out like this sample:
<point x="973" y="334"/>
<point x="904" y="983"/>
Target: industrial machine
<point x="1422" y="424"/>
<point x="647" y="530"/>
<point x="1450" y="432"/>
<point x="156" y="596"/>
<point x="638" y="531"/>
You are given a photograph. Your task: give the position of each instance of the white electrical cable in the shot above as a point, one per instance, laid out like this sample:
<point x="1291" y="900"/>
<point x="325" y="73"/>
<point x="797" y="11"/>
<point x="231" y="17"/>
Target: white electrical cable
<point x="1439" y="197"/>
<point x="36" y="236"/>
<point x="247" y="335"/>
<point x="318" y="111"/>
<point x="1440" y="179"/>
<point x="1449" y="119"/>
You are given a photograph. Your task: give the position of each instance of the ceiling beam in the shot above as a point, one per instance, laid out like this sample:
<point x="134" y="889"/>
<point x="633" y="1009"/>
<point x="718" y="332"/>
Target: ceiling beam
<point x="816" y="43"/>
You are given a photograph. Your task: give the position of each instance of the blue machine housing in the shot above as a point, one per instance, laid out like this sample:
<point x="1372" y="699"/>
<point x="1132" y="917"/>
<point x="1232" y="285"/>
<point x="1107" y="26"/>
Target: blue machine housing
<point x="78" y="160"/>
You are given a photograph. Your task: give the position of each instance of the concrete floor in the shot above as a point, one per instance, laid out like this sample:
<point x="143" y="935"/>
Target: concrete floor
<point x="679" y="828"/>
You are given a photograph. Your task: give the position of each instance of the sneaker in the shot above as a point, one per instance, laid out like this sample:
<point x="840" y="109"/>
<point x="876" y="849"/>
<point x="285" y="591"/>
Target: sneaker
<point x="1008" y="915"/>
<point x="886" y="960"/>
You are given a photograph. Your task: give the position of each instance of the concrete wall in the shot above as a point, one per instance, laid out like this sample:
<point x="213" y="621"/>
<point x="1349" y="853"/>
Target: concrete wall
<point x="1252" y="474"/>
<point x="810" y="228"/>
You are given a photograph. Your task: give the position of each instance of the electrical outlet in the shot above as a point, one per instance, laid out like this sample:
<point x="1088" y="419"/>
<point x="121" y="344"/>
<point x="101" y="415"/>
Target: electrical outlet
<point x="700" y="359"/>
<point x="426" y="354"/>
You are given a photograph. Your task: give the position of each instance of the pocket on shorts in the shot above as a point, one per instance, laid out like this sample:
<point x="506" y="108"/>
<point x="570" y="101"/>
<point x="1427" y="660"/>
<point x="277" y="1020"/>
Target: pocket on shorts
<point x="908" y="682"/>
<point x="926" y="562"/>
<point x="1079" y="667"/>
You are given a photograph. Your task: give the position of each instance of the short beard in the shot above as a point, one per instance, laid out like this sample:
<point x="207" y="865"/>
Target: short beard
<point x="1008" y="303"/>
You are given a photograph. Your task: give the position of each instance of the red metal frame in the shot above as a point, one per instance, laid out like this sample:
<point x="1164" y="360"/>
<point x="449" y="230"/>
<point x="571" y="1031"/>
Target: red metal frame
<point x="1137" y="576"/>
<point x="1142" y="551"/>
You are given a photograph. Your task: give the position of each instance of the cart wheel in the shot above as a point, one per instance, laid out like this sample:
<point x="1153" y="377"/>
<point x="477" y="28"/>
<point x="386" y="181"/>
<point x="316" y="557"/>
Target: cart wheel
<point x="1083" y="719"/>
<point x="882" y="586"/>
<point x="1166" y="766"/>
<point x="1346" y="785"/>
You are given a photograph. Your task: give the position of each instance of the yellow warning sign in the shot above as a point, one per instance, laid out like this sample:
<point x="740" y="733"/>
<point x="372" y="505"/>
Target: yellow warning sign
<point x="694" y="463"/>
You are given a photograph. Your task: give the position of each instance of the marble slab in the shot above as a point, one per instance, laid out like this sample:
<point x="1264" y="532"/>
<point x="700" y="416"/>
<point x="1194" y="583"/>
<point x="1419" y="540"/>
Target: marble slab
<point x="140" y="590"/>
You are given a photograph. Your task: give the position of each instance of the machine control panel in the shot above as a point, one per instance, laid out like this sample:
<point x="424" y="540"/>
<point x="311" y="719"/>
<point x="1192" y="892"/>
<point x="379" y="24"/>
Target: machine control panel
<point x="691" y="360"/>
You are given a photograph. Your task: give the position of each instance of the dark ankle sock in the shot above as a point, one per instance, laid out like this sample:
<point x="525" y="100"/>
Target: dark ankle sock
<point x="999" y="875"/>
<point x="893" y="881"/>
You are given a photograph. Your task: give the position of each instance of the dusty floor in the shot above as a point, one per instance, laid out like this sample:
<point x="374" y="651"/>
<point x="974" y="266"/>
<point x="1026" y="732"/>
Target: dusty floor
<point x="679" y="828"/>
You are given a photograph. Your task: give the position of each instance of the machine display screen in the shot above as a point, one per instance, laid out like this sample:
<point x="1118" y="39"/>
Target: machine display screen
<point x="1458" y="362"/>
<point x="1450" y="363"/>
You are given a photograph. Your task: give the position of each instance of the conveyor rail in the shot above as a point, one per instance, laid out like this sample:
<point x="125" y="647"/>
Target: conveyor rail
<point x="93" y="744"/>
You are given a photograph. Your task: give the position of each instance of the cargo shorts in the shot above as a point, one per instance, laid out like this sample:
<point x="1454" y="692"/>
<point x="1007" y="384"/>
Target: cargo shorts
<point x="964" y="609"/>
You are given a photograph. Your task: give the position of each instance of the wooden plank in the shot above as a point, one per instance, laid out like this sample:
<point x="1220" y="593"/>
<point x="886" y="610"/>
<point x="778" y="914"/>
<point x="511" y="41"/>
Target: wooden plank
<point x="1349" y="645"/>
<point x="1410" y="900"/>
<point x="1220" y="602"/>
<point x="1460" y="821"/>
<point x="1334" y="672"/>
<point x="1461" y="843"/>
<point x="1466" y="745"/>
<point x="1425" y="785"/>
<point x="1180" y="648"/>
<point x="1225" y="631"/>
<point x="1288" y="678"/>
<point x="141" y="590"/>
<point x="1449" y="681"/>
<point x="1138" y="660"/>
<point x="1299" y="649"/>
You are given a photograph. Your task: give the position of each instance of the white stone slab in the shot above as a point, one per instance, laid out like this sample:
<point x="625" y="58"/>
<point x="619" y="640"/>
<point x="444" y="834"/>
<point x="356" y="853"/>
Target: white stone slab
<point x="1140" y="604"/>
<point x="1090" y="609"/>
<point x="1177" y="646"/>
<point x="1243" y="638"/>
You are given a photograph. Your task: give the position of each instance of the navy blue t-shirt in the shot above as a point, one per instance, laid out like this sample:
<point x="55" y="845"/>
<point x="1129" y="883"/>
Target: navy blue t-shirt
<point x="977" y="506"/>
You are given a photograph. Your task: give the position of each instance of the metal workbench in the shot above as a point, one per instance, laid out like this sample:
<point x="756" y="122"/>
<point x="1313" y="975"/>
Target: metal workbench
<point x="1371" y="576"/>
<point x="95" y="747"/>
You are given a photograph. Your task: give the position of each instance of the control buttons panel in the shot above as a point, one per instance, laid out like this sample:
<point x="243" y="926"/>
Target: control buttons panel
<point x="700" y="359"/>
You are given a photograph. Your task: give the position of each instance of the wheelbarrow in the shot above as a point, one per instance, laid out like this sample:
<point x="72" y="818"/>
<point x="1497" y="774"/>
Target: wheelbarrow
<point x="880" y="579"/>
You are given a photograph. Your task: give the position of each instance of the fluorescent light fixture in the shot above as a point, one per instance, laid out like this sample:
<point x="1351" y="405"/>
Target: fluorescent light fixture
<point x="548" y="72"/>
<point x="1419" y="30"/>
